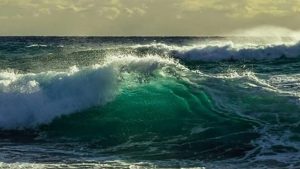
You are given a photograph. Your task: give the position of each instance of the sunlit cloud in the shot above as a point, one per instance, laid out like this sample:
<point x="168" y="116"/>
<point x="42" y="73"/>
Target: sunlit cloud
<point x="243" y="8"/>
<point x="155" y="17"/>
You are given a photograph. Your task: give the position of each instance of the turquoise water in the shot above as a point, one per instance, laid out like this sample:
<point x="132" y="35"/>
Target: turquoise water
<point x="149" y="102"/>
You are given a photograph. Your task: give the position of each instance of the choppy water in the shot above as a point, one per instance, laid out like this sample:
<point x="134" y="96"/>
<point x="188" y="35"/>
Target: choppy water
<point x="161" y="102"/>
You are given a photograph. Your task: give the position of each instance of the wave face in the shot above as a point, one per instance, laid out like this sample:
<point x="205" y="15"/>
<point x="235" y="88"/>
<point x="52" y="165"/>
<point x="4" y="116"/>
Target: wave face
<point x="149" y="102"/>
<point x="30" y="99"/>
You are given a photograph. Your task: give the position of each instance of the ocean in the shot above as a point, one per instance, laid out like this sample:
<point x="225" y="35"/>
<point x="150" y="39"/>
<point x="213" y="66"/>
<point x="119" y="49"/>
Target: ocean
<point x="149" y="102"/>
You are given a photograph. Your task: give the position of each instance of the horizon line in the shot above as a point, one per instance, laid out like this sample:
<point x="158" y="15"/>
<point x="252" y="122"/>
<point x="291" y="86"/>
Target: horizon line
<point x="150" y="36"/>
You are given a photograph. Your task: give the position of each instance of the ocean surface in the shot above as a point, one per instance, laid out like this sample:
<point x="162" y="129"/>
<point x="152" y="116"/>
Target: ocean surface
<point x="149" y="102"/>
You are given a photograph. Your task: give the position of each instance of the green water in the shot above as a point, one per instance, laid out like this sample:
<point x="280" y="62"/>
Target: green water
<point x="168" y="104"/>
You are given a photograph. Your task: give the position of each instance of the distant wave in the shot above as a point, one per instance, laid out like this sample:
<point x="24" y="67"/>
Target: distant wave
<point x="227" y="50"/>
<point x="36" y="45"/>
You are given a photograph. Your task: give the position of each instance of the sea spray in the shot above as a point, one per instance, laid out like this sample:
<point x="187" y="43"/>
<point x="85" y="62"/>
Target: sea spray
<point x="31" y="99"/>
<point x="149" y="101"/>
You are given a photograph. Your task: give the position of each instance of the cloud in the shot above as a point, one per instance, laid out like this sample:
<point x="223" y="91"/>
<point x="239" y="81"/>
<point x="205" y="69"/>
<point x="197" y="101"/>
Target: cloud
<point x="109" y="12"/>
<point x="198" y="5"/>
<point x="143" y="17"/>
<point x="267" y="7"/>
<point x="36" y="8"/>
<point x="243" y="8"/>
<point x="114" y="8"/>
<point x="296" y="6"/>
<point x="135" y="11"/>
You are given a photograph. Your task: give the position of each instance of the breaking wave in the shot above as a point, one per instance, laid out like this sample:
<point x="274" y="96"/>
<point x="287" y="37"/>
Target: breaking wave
<point x="150" y="99"/>
<point x="27" y="100"/>
<point x="226" y="50"/>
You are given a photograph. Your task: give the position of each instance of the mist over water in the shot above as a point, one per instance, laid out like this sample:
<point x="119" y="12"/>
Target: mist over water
<point x="176" y="102"/>
<point x="269" y="34"/>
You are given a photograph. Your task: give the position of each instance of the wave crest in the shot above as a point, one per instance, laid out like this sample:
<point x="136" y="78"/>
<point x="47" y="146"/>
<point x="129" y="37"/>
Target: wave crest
<point x="229" y="52"/>
<point x="27" y="100"/>
<point x="227" y="49"/>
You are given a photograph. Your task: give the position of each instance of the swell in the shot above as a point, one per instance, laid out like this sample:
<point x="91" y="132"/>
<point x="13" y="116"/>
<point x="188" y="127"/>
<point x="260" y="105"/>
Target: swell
<point x="234" y="115"/>
<point x="225" y="50"/>
<point x="27" y="100"/>
<point x="30" y="99"/>
<point x="56" y="56"/>
<point x="160" y="119"/>
<point x="153" y="107"/>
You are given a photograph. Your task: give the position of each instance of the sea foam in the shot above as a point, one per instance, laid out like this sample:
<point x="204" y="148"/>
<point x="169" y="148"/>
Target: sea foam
<point x="232" y="51"/>
<point x="27" y="100"/>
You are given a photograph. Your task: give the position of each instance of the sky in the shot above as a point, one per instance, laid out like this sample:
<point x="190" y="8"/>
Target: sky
<point x="143" y="17"/>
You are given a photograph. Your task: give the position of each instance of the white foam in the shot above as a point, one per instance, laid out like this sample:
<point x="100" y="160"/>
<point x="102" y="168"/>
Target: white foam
<point x="32" y="99"/>
<point x="36" y="45"/>
<point x="236" y="51"/>
<point x="231" y="48"/>
<point x="27" y="100"/>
